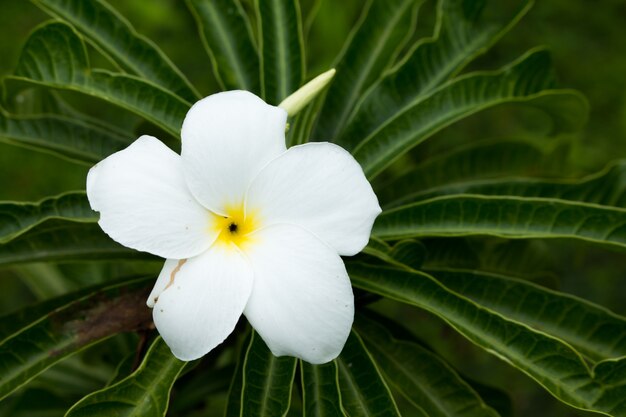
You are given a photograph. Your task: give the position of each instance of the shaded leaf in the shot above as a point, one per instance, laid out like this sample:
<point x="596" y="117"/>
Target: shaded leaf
<point x="281" y="48"/>
<point x="114" y="36"/>
<point x="363" y="390"/>
<point x="461" y="33"/>
<point x="607" y="187"/>
<point x="528" y="80"/>
<point x="550" y="362"/>
<point x="267" y="381"/>
<point x="143" y="393"/>
<point x="69" y="328"/>
<point x="63" y="241"/>
<point x="382" y="31"/>
<point x="320" y="390"/>
<point x="589" y="328"/>
<point x="475" y="163"/>
<point x="420" y="375"/>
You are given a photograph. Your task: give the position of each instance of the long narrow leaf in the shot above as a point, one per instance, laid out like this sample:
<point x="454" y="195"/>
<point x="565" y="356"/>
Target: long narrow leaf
<point x="113" y="35"/>
<point x="17" y="217"/>
<point x="510" y="217"/>
<point x="55" y="56"/>
<point x="70" y="328"/>
<point x="70" y="138"/>
<point x="382" y="32"/>
<point x="227" y="37"/>
<point x="146" y="391"/>
<point x="364" y="393"/>
<point x="461" y="33"/>
<point x="420" y="375"/>
<point x="267" y="381"/>
<point x="552" y="363"/>
<point x="528" y="81"/>
<point x="320" y="390"/>
<point x="591" y="329"/>
<point x="281" y="48"/>
<point x="63" y="241"/>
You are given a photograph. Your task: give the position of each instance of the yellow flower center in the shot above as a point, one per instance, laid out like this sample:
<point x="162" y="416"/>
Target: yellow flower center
<point x="235" y="227"/>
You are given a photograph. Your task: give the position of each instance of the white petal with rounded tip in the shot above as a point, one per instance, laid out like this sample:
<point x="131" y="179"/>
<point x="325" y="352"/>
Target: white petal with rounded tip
<point x="320" y="187"/>
<point x="302" y="303"/>
<point x="144" y="202"/>
<point x="202" y="301"/>
<point x="226" y="139"/>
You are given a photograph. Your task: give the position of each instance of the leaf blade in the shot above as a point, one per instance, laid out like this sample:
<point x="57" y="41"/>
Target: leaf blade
<point x="116" y="37"/>
<point x="227" y="37"/>
<point x="281" y="48"/>
<point x="143" y="393"/>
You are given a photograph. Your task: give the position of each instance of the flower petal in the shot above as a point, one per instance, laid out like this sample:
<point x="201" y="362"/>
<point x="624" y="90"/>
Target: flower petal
<point x="301" y="303"/>
<point x="320" y="187"/>
<point x="227" y="138"/>
<point x="202" y="300"/>
<point x="144" y="202"/>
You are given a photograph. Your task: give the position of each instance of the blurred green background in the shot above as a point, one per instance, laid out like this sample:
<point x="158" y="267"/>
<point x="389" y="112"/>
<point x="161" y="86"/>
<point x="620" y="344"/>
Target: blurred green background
<point x="588" y="42"/>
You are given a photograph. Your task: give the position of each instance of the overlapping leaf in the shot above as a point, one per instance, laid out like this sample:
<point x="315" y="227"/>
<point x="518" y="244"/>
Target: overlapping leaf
<point x="281" y="48"/>
<point x="227" y="37"/>
<point x="143" y="393"/>
<point x="461" y="34"/>
<point x="67" y="137"/>
<point x="529" y="81"/>
<point x="364" y="393"/>
<point x="264" y="387"/>
<point x="17" y="218"/>
<point x="85" y="320"/>
<point x="381" y="33"/>
<point x="606" y="188"/>
<point x="55" y="56"/>
<point x="114" y="36"/>
<point x="591" y="329"/>
<point x="63" y="241"/>
<point x="476" y="163"/>
<point x="422" y="377"/>
<point x="510" y="217"/>
<point x="320" y="390"/>
<point x="552" y="363"/>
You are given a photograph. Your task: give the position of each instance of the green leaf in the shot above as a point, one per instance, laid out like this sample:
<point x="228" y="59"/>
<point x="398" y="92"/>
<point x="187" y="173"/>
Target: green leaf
<point x="528" y="80"/>
<point x="55" y="56"/>
<point x="550" y="362"/>
<point x="267" y="381"/>
<point x="227" y="37"/>
<point x="420" y="375"/>
<point x="144" y="393"/>
<point x="233" y="406"/>
<point x="382" y="31"/>
<point x="114" y="36"/>
<point x="475" y="163"/>
<point x="461" y="34"/>
<point x="282" y="48"/>
<point x="17" y="218"/>
<point x="320" y="390"/>
<point x="606" y="188"/>
<point x="70" y="138"/>
<point x="363" y="390"/>
<point x="70" y="328"/>
<point x="509" y="217"/>
<point x="589" y="328"/>
<point x="62" y="241"/>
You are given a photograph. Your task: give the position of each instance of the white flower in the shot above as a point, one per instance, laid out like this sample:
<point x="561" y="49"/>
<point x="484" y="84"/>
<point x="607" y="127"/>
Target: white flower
<point x="246" y="226"/>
